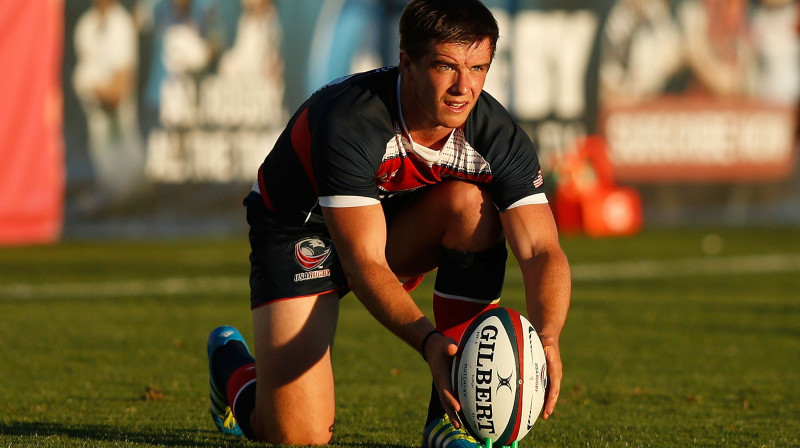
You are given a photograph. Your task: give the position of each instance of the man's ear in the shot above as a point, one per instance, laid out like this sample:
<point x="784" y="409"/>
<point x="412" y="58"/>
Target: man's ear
<point x="405" y="62"/>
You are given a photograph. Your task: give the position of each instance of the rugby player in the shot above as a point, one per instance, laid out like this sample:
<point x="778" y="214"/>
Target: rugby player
<point x="379" y="178"/>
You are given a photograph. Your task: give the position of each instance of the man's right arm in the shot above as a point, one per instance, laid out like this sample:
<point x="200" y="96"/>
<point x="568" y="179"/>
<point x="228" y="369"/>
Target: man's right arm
<point x="359" y="235"/>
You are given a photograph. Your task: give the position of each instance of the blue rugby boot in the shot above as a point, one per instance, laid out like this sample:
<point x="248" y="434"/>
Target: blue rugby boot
<point x="442" y="434"/>
<point x="221" y="411"/>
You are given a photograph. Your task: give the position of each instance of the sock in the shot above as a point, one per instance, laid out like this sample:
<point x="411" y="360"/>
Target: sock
<point x="227" y="359"/>
<point x="242" y="397"/>
<point x="234" y="369"/>
<point x="467" y="283"/>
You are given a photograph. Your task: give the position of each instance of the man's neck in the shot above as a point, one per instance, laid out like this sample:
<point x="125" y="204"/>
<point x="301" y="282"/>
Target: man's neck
<point x="433" y="137"/>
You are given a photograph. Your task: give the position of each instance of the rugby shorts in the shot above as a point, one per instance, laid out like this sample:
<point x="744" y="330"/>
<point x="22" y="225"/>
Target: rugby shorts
<point x="290" y="260"/>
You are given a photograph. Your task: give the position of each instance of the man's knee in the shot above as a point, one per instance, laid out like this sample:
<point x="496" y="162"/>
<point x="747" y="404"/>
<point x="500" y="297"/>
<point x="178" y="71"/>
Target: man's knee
<point x="284" y="424"/>
<point x="301" y="435"/>
<point x="464" y="197"/>
<point x="474" y="222"/>
<point x="455" y="214"/>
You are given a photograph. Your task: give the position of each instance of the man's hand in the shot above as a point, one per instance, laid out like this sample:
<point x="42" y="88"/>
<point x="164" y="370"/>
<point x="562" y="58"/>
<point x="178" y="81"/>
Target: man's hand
<point x="439" y="351"/>
<point x="533" y="238"/>
<point x="554" y="372"/>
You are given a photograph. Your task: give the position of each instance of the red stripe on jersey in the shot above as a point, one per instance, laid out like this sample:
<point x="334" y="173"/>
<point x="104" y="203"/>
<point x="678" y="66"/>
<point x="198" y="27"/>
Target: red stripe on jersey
<point x="262" y="187"/>
<point x="445" y="172"/>
<point x="407" y="173"/>
<point x="301" y="143"/>
<point x="402" y="174"/>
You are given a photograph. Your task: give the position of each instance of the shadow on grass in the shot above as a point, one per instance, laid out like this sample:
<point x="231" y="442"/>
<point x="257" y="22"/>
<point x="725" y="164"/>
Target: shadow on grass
<point x="97" y="435"/>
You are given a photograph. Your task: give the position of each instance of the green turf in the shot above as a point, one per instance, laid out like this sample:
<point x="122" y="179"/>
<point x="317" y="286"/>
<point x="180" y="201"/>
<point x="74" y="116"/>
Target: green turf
<point x="102" y="344"/>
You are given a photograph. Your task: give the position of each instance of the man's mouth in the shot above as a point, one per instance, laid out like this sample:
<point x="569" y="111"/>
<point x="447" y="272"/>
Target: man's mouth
<point x="457" y="106"/>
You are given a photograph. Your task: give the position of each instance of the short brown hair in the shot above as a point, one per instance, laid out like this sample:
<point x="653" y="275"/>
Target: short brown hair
<point x="425" y="23"/>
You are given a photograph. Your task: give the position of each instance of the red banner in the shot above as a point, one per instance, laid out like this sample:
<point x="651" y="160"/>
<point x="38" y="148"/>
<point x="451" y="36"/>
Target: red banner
<point x="696" y="139"/>
<point x="32" y="173"/>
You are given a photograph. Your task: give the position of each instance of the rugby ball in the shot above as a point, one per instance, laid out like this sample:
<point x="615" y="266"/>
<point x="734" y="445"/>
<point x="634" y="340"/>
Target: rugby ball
<point x="499" y="376"/>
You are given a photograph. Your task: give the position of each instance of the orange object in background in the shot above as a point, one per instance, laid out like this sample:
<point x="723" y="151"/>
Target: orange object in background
<point x="587" y="200"/>
<point x="32" y="172"/>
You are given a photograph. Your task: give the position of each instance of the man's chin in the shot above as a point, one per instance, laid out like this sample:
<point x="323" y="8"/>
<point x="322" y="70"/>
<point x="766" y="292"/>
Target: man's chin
<point x="453" y="121"/>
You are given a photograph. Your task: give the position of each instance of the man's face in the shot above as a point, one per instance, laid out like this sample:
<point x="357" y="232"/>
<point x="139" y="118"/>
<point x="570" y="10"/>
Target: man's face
<point x="444" y="85"/>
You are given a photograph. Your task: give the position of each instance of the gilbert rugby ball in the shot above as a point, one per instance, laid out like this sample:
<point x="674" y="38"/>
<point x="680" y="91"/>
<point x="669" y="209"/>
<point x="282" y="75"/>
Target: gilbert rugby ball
<point x="499" y="376"/>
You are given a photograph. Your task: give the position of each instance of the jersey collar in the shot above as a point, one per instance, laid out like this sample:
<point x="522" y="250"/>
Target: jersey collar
<point x="425" y="153"/>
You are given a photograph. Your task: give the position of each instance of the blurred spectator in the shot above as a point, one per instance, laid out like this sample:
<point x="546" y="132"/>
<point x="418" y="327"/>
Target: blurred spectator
<point x="775" y="34"/>
<point x="344" y="41"/>
<point x="719" y="46"/>
<point x="188" y="36"/>
<point x="352" y="36"/>
<point x="104" y="81"/>
<point x="640" y="49"/>
<point x="252" y="70"/>
<point x="257" y="49"/>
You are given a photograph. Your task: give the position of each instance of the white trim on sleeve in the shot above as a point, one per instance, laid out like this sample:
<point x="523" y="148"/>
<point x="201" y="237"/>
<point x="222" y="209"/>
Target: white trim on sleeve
<point x="346" y="201"/>
<point x="538" y="198"/>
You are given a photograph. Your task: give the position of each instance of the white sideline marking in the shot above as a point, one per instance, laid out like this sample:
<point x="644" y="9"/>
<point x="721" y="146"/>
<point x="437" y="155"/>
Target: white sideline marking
<point x="582" y="272"/>
<point x="167" y="286"/>
<point x="648" y="269"/>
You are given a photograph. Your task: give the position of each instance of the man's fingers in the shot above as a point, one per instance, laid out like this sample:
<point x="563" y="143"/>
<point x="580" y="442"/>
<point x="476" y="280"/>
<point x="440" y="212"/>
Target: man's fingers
<point x="451" y="407"/>
<point x="442" y="378"/>
<point x="550" y="404"/>
<point x="452" y="349"/>
<point x="554" y="374"/>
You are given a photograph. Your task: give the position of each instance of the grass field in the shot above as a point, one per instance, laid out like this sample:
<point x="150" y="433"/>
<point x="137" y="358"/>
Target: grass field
<point x="675" y="339"/>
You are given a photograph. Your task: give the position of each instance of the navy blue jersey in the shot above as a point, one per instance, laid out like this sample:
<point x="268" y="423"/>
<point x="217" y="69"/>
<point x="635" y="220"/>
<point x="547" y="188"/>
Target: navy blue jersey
<point x="347" y="145"/>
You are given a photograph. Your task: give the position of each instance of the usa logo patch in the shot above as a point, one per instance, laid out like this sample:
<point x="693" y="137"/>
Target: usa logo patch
<point x="310" y="253"/>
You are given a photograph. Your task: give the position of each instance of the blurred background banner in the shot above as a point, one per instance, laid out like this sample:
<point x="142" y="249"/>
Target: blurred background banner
<point x="31" y="146"/>
<point x="690" y="105"/>
<point x="700" y="139"/>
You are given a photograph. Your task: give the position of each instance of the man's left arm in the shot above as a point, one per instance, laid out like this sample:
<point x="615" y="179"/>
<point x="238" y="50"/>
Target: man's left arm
<point x="533" y="238"/>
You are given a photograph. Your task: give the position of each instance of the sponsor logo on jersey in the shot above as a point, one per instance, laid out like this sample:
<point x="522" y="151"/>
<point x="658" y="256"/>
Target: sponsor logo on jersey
<point x="310" y="253"/>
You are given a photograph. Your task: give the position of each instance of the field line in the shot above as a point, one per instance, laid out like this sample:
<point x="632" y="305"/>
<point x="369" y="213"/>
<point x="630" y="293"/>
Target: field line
<point x="650" y="269"/>
<point x="581" y="272"/>
<point x="162" y="287"/>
